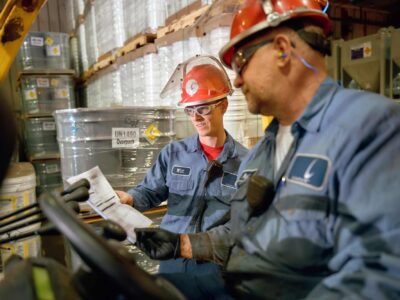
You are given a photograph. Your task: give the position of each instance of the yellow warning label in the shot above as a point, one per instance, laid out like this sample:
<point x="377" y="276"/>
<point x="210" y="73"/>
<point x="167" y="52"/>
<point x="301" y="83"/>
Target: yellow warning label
<point x="54" y="82"/>
<point x="49" y="41"/>
<point x="367" y="51"/>
<point x="30" y="94"/>
<point x="152" y="133"/>
<point x="56" y="51"/>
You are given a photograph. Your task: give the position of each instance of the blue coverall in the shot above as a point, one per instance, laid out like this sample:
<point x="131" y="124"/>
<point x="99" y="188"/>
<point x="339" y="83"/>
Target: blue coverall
<point x="178" y="176"/>
<point x="333" y="228"/>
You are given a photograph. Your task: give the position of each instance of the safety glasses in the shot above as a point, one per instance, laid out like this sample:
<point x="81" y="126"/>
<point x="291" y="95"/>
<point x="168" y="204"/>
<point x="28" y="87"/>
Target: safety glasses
<point x="202" y="110"/>
<point x="242" y="57"/>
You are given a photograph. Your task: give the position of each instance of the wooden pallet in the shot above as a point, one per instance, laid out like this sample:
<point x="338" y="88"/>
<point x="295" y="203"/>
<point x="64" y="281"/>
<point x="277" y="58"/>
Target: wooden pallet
<point x="47" y="72"/>
<point x="103" y="62"/>
<point x="183" y="12"/>
<point x="88" y="73"/>
<point x="183" y="22"/>
<point x="44" y="156"/>
<point x="136" y="42"/>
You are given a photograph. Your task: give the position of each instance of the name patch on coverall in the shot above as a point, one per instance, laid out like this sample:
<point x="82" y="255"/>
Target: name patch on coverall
<point x="184" y="171"/>
<point x="309" y="170"/>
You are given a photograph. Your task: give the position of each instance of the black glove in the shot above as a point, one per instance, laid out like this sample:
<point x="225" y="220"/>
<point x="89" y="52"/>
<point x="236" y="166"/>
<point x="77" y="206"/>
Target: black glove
<point x="158" y="243"/>
<point x="79" y="191"/>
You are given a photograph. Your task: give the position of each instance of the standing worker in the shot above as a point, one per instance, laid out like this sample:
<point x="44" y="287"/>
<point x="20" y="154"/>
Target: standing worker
<point x="197" y="174"/>
<point x="316" y="214"/>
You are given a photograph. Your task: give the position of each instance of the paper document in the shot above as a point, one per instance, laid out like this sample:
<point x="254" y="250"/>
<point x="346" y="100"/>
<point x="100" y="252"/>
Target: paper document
<point x="105" y="202"/>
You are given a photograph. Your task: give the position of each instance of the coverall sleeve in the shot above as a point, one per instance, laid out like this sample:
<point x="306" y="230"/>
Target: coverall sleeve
<point x="213" y="245"/>
<point x="153" y="189"/>
<point x="366" y="230"/>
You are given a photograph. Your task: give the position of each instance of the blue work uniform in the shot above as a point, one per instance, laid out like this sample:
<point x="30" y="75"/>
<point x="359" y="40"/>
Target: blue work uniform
<point x="178" y="175"/>
<point x="332" y="230"/>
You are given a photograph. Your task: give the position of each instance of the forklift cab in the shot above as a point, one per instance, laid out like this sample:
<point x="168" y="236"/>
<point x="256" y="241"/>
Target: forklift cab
<point x="109" y="271"/>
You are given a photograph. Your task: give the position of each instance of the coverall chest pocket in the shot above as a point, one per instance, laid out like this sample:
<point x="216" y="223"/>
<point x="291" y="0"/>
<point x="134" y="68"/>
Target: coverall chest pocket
<point x="301" y="223"/>
<point x="304" y="217"/>
<point x="298" y="208"/>
<point x="181" y="186"/>
<point x="179" y="200"/>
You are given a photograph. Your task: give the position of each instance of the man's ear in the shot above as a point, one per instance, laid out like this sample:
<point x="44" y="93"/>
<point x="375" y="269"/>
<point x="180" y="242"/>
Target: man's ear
<point x="282" y="47"/>
<point x="224" y="105"/>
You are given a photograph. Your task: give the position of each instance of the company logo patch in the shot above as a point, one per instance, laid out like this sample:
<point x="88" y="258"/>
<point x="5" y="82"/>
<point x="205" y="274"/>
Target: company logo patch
<point x="192" y="87"/>
<point x="245" y="175"/>
<point x="309" y="170"/>
<point x="229" y="180"/>
<point x="183" y="171"/>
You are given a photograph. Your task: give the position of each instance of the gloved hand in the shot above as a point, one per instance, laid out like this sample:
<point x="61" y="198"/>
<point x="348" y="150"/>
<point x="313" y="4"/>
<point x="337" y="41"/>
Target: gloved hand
<point x="78" y="191"/>
<point x="158" y="243"/>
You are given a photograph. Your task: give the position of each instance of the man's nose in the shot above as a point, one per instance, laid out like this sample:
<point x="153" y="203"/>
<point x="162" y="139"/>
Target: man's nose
<point x="197" y="116"/>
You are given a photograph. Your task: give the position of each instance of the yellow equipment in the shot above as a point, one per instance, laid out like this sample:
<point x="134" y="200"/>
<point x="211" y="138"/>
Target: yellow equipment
<point x="16" y="18"/>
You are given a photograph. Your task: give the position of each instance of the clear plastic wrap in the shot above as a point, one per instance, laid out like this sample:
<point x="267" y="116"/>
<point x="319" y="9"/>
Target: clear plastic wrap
<point x="41" y="137"/>
<point x="89" y="137"/>
<point x="152" y="16"/>
<point x="43" y="94"/>
<point x="110" y="30"/>
<point x="45" y="50"/>
<point x="91" y="38"/>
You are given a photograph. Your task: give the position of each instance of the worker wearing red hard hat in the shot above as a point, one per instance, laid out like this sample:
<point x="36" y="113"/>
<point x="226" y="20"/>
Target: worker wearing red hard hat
<point x="197" y="174"/>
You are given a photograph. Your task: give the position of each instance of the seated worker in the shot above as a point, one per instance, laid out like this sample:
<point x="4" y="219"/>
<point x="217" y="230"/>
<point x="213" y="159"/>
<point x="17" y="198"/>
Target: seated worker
<point x="316" y="214"/>
<point x="197" y="174"/>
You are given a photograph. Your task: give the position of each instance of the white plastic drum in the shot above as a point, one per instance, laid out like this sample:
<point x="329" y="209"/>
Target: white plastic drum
<point x="27" y="247"/>
<point x="18" y="191"/>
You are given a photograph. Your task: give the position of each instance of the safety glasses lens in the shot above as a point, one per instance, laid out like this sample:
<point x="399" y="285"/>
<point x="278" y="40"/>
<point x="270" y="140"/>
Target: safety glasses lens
<point x="200" y="110"/>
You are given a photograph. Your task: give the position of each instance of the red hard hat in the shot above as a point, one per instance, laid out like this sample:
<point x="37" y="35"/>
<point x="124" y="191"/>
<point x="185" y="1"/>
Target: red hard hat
<point x="257" y="15"/>
<point x="201" y="79"/>
<point x="204" y="83"/>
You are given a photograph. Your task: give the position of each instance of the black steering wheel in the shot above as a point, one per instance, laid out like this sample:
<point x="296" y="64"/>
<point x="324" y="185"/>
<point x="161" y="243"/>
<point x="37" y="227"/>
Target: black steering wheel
<point x="101" y="257"/>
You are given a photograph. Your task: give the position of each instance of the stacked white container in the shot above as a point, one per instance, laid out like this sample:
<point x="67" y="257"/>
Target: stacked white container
<point x="166" y="67"/>
<point x="173" y="6"/>
<point x="152" y="80"/>
<point x="111" y="89"/>
<point x="177" y="51"/>
<point x="192" y="47"/>
<point x="127" y="84"/>
<point x="152" y="16"/>
<point x="105" y="90"/>
<point x="79" y="7"/>
<point x="83" y="53"/>
<point x="156" y="14"/>
<point x="70" y="19"/>
<point x="138" y="92"/>
<point x="93" y="94"/>
<point x="90" y="34"/>
<point x="110" y="30"/>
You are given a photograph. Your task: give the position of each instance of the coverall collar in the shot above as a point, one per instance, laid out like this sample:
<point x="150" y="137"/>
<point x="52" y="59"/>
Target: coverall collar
<point x="229" y="150"/>
<point x="312" y="117"/>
